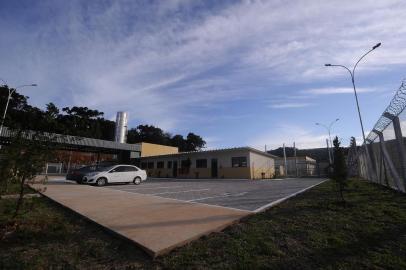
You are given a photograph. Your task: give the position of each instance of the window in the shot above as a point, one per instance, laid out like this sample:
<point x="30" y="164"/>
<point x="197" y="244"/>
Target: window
<point x="150" y="165"/>
<point x="169" y="164"/>
<point x="143" y="165"/>
<point x="238" y="162"/>
<point x="119" y="169"/>
<point x="131" y="169"/>
<point x="160" y="164"/>
<point x="201" y="163"/>
<point x="185" y="163"/>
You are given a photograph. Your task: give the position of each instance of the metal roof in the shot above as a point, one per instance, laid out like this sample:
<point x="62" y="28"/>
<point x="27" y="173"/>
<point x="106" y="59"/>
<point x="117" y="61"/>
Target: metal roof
<point x="79" y="141"/>
<point x="244" y="148"/>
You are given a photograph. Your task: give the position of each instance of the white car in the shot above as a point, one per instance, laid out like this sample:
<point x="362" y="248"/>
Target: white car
<point x="115" y="174"/>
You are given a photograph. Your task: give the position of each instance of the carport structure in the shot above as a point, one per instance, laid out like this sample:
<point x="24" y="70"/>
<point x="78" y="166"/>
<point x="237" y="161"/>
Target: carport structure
<point x="125" y="152"/>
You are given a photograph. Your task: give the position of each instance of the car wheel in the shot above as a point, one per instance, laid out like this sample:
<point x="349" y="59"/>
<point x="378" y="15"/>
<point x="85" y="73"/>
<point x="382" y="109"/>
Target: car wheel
<point x="101" y="182"/>
<point x="137" y="180"/>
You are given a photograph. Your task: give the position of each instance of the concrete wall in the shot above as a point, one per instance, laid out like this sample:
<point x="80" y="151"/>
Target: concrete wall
<point x="151" y="149"/>
<point x="262" y="167"/>
<point x="262" y="164"/>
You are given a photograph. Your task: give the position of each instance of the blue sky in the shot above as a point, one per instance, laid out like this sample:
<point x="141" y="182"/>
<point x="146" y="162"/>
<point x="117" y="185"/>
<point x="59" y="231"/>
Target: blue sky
<point x="236" y="72"/>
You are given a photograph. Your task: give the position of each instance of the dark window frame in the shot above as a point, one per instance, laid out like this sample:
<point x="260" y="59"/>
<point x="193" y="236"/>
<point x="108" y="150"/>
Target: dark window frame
<point x="239" y="162"/>
<point x="120" y="169"/>
<point x="131" y="169"/>
<point x="201" y="163"/>
<point x="169" y="164"/>
<point x="151" y="165"/>
<point x="160" y="164"/>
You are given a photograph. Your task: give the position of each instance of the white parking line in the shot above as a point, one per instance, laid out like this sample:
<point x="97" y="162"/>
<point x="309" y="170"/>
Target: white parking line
<point x="212" y="205"/>
<point x="269" y="205"/>
<point x="152" y="187"/>
<point x="219" y="196"/>
<point x="191" y="190"/>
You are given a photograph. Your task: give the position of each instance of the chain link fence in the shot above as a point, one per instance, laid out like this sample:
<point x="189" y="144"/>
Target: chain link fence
<point x="382" y="158"/>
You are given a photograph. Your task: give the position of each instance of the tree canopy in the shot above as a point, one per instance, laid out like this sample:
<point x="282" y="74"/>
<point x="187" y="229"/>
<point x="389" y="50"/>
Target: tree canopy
<point x="151" y="134"/>
<point x="85" y="122"/>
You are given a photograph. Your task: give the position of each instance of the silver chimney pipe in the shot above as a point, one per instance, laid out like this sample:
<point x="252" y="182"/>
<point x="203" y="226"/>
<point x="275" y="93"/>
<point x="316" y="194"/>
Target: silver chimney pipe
<point x="121" y="127"/>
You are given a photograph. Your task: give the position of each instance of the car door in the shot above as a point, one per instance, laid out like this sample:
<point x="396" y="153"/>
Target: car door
<point x="131" y="173"/>
<point x="118" y="174"/>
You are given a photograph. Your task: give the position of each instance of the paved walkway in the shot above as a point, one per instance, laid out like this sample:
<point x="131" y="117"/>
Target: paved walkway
<point x="154" y="223"/>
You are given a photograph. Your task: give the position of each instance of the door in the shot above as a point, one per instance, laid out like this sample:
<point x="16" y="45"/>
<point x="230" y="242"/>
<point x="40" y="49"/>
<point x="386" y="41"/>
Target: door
<point x="131" y="173"/>
<point x="214" y="168"/>
<point x="175" y="169"/>
<point x="118" y="174"/>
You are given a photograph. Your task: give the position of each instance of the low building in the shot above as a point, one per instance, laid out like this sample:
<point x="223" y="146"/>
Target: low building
<point x="298" y="166"/>
<point x="240" y="163"/>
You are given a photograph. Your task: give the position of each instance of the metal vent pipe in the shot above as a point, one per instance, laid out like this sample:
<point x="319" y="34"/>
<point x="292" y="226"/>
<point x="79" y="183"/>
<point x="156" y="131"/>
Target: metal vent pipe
<point x="121" y="127"/>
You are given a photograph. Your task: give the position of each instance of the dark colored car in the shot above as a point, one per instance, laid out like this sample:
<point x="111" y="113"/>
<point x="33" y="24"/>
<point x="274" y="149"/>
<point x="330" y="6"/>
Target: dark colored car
<point x="77" y="174"/>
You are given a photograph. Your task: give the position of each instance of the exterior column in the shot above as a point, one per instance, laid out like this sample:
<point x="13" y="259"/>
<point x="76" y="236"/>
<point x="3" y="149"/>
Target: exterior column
<point x="371" y="164"/>
<point x="387" y="159"/>
<point x="401" y="148"/>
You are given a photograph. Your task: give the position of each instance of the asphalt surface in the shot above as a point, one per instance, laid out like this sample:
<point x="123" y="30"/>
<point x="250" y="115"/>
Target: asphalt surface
<point x="252" y="195"/>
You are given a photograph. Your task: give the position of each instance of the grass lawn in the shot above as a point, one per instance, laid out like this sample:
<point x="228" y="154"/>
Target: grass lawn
<point x="310" y="231"/>
<point x="14" y="188"/>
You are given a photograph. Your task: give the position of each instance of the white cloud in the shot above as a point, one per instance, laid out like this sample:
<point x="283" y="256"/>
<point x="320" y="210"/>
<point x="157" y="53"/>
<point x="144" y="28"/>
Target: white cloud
<point x="336" y="90"/>
<point x="288" y="134"/>
<point x="289" y="105"/>
<point x="159" y="62"/>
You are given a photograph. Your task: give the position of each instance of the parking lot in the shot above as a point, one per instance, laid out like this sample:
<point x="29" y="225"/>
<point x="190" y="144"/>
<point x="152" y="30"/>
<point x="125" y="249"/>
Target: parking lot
<point x="252" y="195"/>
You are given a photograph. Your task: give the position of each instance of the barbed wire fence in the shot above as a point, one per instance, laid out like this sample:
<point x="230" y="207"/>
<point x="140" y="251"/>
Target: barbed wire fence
<point x="382" y="158"/>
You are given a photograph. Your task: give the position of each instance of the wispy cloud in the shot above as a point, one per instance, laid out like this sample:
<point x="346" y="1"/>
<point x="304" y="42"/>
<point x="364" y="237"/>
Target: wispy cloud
<point x="288" y="134"/>
<point x="336" y="90"/>
<point x="289" y="105"/>
<point x="165" y="61"/>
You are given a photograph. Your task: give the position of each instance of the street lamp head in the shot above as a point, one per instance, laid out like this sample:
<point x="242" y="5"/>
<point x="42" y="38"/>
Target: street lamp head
<point x="376" y="46"/>
<point x="317" y="124"/>
<point x="337" y="119"/>
<point x="327" y="65"/>
<point x="34" y="84"/>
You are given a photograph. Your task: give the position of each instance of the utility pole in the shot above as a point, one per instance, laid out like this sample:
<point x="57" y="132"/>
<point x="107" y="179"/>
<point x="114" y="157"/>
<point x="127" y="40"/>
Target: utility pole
<point x="352" y="74"/>
<point x="10" y="93"/>
<point x="286" y="165"/>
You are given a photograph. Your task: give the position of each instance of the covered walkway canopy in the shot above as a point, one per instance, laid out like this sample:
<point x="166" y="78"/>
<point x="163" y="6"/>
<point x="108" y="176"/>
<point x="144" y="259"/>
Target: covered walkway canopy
<point x="76" y="143"/>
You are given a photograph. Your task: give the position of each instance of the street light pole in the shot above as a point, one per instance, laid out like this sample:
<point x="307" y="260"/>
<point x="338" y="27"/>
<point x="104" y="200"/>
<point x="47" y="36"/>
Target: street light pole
<point x="328" y="128"/>
<point x="352" y="73"/>
<point x="10" y="92"/>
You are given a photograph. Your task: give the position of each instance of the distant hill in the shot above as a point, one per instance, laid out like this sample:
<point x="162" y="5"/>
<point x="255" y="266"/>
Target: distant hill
<point x="319" y="154"/>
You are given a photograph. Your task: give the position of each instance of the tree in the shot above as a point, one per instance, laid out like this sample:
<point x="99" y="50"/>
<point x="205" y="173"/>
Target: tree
<point x="340" y="168"/>
<point x="352" y="158"/>
<point x="149" y="134"/>
<point x="84" y="122"/>
<point x="194" y="142"/>
<point x="179" y="141"/>
<point x="23" y="159"/>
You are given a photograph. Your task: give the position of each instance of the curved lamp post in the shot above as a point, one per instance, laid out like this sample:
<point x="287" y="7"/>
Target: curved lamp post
<point x="352" y="73"/>
<point x="10" y="92"/>
<point x="328" y="128"/>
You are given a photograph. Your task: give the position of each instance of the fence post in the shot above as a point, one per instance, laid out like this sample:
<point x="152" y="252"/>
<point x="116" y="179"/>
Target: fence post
<point x="399" y="143"/>
<point x="392" y="169"/>
<point x="371" y="164"/>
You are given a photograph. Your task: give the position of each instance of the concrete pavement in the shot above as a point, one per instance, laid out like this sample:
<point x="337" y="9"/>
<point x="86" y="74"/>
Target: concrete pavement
<point x="156" y="224"/>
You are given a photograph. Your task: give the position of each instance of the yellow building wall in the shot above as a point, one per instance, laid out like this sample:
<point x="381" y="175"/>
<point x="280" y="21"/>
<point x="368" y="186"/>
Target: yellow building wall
<point x="151" y="149"/>
<point x="258" y="166"/>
